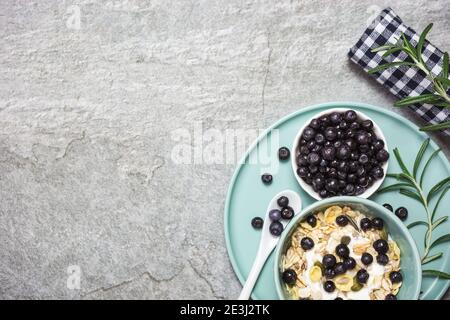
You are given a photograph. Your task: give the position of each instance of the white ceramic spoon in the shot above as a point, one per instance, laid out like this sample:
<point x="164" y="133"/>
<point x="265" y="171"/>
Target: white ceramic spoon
<point x="268" y="242"/>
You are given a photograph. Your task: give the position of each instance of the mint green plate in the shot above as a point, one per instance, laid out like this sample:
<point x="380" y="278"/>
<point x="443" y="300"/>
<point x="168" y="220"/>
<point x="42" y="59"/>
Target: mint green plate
<point x="248" y="197"/>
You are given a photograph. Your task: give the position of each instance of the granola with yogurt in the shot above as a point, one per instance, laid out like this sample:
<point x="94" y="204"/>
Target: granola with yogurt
<point x="340" y="253"/>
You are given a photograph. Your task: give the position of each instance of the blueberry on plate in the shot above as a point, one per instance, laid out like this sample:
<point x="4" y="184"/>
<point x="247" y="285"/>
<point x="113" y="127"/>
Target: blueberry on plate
<point x="342" y="250"/>
<point x="362" y="276"/>
<point x="257" y="223"/>
<point x="274" y="214"/>
<point x="289" y="276"/>
<point x="311" y="220"/>
<point x="283" y="153"/>
<point x="329" y="286"/>
<point x="350" y="116"/>
<point x="395" y="277"/>
<point x="381" y="246"/>
<point x="388" y="206"/>
<point x="377" y="223"/>
<point x="276" y="228"/>
<point x="365" y="224"/>
<point x="307" y="243"/>
<point x="266" y="178"/>
<point x="328" y="260"/>
<point x="283" y="201"/>
<point x="402" y="213"/>
<point x="287" y="213"/>
<point x="366" y="258"/>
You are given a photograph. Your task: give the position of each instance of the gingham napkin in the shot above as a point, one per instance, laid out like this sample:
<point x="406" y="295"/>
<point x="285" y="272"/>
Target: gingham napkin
<point x="402" y="81"/>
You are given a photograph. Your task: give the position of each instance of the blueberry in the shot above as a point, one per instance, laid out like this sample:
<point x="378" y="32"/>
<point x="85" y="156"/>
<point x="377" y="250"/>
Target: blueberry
<point x="331" y="185"/>
<point x="359" y="190"/>
<point x="382" y="259"/>
<point x="363" y="158"/>
<point x="343" y="152"/>
<point x="361" y="171"/>
<point x="382" y="155"/>
<point x="366" y="258"/>
<point x="302" y="172"/>
<point x="304" y="150"/>
<point x="302" y="160"/>
<point x="362" y="137"/>
<point x="350" y="115"/>
<point x="342" y="220"/>
<point x="354" y="155"/>
<point x="289" y="276"/>
<point x="354" y="125"/>
<point x="313" y="158"/>
<point x="266" y="178"/>
<point x="324" y="120"/>
<point x="287" y="213"/>
<point x="349" y="263"/>
<point x="311" y="220"/>
<point x="257" y="223"/>
<point x="315" y="124"/>
<point x="283" y="201"/>
<point x="335" y="118"/>
<point x="330" y="133"/>
<point x="349" y="189"/>
<point x="307" y="243"/>
<point x="340" y="268"/>
<point x="343" y="166"/>
<point x="323" y="193"/>
<point x="338" y="298"/>
<point x="402" y="213"/>
<point x="365" y="224"/>
<point x="350" y="133"/>
<point x="342" y="250"/>
<point x="377" y="223"/>
<point x="390" y="296"/>
<point x="381" y="246"/>
<point x="351" y="143"/>
<point x="329" y="273"/>
<point x="328" y="260"/>
<point x="275" y="215"/>
<point x="341" y="182"/>
<point x="388" y="206"/>
<point x="311" y="145"/>
<point x="362" y="276"/>
<point x="319" y="138"/>
<point x="319" y="182"/>
<point x="329" y="286"/>
<point x="337" y="144"/>
<point x="363" y="181"/>
<point x="276" y="228"/>
<point x="367" y="124"/>
<point x="343" y="125"/>
<point x="308" y="133"/>
<point x="283" y="153"/>
<point x="377" y="172"/>
<point x="378" y="144"/>
<point x="395" y="277"/>
<point x="334" y="163"/>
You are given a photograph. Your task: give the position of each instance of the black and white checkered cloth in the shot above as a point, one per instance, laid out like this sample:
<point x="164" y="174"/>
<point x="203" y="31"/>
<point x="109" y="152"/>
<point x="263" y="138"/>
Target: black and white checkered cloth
<point x="402" y="81"/>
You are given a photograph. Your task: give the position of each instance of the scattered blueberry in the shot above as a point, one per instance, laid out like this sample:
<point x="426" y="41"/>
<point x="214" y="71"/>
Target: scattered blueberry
<point x="381" y="246"/>
<point x="311" y="220"/>
<point x="307" y="243"/>
<point x="283" y="201"/>
<point x="257" y="223"/>
<point x="388" y="206"/>
<point x="395" y="277"/>
<point x="289" y="276"/>
<point x="365" y="224"/>
<point x="342" y="250"/>
<point x="382" y="259"/>
<point x="328" y="260"/>
<point x="362" y="276"/>
<point x="402" y="213"/>
<point x="342" y="220"/>
<point x="283" y="153"/>
<point x="274" y="214"/>
<point x="329" y="286"/>
<point x="276" y="228"/>
<point x="340" y="268"/>
<point x="287" y="213"/>
<point x="366" y="258"/>
<point x="377" y="223"/>
<point x="329" y="273"/>
<point x="349" y="263"/>
<point x="266" y="178"/>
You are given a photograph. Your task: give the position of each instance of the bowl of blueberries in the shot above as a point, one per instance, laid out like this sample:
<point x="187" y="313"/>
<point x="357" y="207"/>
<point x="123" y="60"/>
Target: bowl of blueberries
<point x="340" y="152"/>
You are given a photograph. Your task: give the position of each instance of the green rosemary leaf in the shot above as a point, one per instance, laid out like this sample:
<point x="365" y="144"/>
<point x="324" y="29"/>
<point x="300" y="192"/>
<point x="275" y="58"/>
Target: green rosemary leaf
<point x="435" y="127"/>
<point x="442" y="104"/>
<point x="440" y="240"/>
<point x="411" y="194"/>
<point x="438" y="202"/>
<point x="393" y="187"/>
<point x="444" y="81"/>
<point x="419" y="156"/>
<point x="409" y="48"/>
<point x="383" y="48"/>
<point x="353" y="223"/>
<point x="432" y="258"/>
<point x="438" y="222"/>
<point x="438" y="186"/>
<point x="445" y="66"/>
<point x="390" y="65"/>
<point x="391" y="51"/>
<point x="393" y="175"/>
<point x="436" y="273"/>
<point x="422" y="176"/>
<point x="424" y="98"/>
<point x="419" y="46"/>
<point x="400" y="162"/>
<point x="416" y="223"/>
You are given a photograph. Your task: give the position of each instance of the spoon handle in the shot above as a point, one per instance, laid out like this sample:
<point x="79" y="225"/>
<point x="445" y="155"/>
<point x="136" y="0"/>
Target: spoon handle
<point x="260" y="260"/>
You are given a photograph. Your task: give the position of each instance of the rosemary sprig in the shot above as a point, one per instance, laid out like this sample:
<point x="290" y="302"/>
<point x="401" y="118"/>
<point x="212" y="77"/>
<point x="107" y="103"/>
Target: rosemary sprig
<point x="410" y="186"/>
<point x="441" y="83"/>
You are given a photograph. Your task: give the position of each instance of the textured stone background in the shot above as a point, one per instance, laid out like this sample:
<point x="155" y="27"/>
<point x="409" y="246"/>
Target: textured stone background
<point x="86" y="176"/>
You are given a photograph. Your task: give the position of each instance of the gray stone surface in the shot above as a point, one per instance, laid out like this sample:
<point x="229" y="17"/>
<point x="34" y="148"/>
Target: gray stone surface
<point x="86" y="175"/>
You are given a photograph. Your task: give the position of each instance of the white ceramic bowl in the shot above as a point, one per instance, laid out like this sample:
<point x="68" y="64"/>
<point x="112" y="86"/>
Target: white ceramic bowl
<point x="306" y="187"/>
